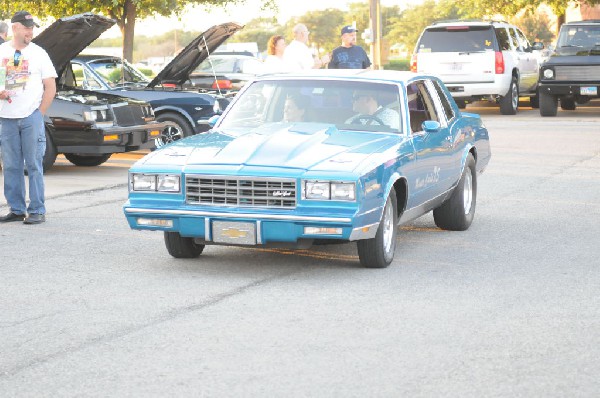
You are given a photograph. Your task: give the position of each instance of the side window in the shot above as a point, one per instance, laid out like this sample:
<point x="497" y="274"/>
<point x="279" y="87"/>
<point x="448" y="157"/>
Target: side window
<point x="523" y="42"/>
<point x="83" y="79"/>
<point x="515" y="40"/>
<point x="420" y="105"/>
<point x="503" y="39"/>
<point x="444" y="100"/>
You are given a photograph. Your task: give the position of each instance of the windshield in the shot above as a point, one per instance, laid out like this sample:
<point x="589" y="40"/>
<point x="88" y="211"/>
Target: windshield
<point x="117" y="74"/>
<point x="579" y="36"/>
<point x="348" y="105"/>
<point x="457" y="39"/>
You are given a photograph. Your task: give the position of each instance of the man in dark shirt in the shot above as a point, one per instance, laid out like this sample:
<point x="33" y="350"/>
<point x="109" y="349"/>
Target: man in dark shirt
<point x="349" y="55"/>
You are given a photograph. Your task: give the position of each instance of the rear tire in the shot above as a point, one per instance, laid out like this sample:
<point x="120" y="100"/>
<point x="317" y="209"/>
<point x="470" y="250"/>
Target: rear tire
<point x="462" y="104"/>
<point x="85" y="160"/>
<point x="509" y="104"/>
<point x="568" y="104"/>
<point x="548" y="104"/>
<point x="378" y="252"/>
<point x="456" y="214"/>
<point x="180" y="247"/>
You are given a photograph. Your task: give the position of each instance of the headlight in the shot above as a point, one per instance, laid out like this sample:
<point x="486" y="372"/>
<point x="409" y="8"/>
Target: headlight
<point x="329" y="190"/>
<point x="548" y="74"/>
<point x="217" y="107"/>
<point x="155" y="182"/>
<point x="97" y="115"/>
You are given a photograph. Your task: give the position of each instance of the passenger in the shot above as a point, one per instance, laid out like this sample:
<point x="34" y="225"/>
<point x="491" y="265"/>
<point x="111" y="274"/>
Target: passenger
<point x="296" y="108"/>
<point x="370" y="112"/>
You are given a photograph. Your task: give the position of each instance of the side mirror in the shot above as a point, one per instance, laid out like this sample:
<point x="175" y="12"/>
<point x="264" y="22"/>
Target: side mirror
<point x="213" y="120"/>
<point x="431" y="126"/>
<point x="538" y="46"/>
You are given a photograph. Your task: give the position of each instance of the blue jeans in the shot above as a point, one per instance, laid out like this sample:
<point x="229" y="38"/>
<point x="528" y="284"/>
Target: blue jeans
<point x="23" y="143"/>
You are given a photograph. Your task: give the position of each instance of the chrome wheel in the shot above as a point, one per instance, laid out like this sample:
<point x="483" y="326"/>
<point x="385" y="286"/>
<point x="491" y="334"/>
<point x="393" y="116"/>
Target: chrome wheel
<point x="468" y="192"/>
<point x="388" y="228"/>
<point x="515" y="96"/>
<point x="171" y="133"/>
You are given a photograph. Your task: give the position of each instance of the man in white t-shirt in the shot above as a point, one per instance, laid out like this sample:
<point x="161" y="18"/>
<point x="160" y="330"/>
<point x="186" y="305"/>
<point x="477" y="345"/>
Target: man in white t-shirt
<point x="297" y="56"/>
<point x="29" y="90"/>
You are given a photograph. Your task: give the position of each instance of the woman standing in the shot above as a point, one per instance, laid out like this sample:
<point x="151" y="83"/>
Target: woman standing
<point x="274" y="62"/>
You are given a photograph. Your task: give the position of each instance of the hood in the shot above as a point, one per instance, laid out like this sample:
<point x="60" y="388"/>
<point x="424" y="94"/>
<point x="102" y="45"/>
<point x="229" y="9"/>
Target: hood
<point x="179" y="69"/>
<point x="67" y="37"/>
<point x="311" y="147"/>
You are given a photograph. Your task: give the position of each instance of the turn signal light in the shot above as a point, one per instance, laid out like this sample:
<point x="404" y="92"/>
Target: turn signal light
<point x="112" y="137"/>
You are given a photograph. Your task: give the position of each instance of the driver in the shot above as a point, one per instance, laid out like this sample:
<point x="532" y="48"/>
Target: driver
<point x="366" y="103"/>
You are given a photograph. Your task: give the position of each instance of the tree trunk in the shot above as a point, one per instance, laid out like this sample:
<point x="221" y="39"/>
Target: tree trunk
<point x="560" y="20"/>
<point x="127" y="27"/>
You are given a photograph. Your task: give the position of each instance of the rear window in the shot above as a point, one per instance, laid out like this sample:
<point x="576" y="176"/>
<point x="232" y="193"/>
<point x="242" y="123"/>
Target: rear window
<point x="457" y="39"/>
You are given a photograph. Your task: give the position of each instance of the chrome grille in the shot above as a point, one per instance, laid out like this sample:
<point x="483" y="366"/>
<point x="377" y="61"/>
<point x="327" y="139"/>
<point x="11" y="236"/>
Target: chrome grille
<point x="578" y="73"/>
<point x="129" y="115"/>
<point x="240" y="191"/>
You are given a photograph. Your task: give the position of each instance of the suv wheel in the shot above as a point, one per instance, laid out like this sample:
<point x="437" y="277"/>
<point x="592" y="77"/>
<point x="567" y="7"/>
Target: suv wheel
<point x="510" y="102"/>
<point x="568" y="104"/>
<point x="548" y="104"/>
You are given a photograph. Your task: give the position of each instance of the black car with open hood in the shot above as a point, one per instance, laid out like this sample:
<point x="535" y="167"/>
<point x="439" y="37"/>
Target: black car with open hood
<point x="89" y="126"/>
<point x="185" y="112"/>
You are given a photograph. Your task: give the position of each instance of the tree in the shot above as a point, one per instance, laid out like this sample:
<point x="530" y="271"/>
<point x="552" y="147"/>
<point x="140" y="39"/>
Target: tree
<point x="125" y="12"/>
<point x="258" y="30"/>
<point x="536" y="26"/>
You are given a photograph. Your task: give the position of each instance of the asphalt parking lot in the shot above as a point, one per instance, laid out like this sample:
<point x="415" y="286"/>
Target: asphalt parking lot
<point x="510" y="307"/>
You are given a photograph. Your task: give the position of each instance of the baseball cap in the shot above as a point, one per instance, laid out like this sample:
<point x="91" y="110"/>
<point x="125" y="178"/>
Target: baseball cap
<point x="348" y="29"/>
<point x="24" y="18"/>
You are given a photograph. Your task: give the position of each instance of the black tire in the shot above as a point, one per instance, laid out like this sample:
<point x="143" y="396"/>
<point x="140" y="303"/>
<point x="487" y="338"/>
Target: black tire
<point x="568" y="104"/>
<point x="177" y="127"/>
<point x="534" y="101"/>
<point x="509" y="104"/>
<point x="87" y="160"/>
<point x="548" y="104"/>
<point x="378" y="252"/>
<point x="462" y="104"/>
<point x="456" y="214"/>
<point x="50" y="154"/>
<point x="180" y="247"/>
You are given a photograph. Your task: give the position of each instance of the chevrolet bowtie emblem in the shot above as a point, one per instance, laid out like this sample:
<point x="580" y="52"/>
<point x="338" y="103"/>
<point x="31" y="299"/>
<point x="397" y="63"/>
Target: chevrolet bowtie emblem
<point x="281" y="193"/>
<point x="234" y="233"/>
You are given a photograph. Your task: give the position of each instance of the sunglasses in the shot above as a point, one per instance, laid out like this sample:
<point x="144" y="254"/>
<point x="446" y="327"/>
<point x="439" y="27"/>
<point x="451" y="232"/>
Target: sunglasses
<point x="17" y="58"/>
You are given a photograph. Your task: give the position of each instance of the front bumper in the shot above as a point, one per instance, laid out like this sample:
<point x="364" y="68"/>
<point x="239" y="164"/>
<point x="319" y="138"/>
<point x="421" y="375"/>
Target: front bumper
<point x="212" y="227"/>
<point x="115" y="139"/>
<point x="569" y="88"/>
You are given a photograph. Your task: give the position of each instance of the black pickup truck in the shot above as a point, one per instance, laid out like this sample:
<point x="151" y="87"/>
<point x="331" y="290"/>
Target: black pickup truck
<point x="571" y="75"/>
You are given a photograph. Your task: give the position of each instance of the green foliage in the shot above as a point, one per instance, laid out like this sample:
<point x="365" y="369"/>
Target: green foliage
<point x="536" y="26"/>
<point x="258" y="30"/>
<point x="398" y="64"/>
<point x="406" y="28"/>
<point x="146" y="71"/>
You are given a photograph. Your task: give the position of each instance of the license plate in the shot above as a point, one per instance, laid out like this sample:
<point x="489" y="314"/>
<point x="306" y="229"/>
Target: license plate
<point x="233" y="232"/>
<point x="455" y="67"/>
<point x="588" y="91"/>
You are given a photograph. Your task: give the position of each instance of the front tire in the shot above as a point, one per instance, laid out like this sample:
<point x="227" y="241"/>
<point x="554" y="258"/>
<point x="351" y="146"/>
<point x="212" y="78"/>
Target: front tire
<point x="180" y="247"/>
<point x="509" y="104"/>
<point x="378" y="252"/>
<point x="85" y="160"/>
<point x="456" y="214"/>
<point x="548" y="104"/>
<point x="50" y="154"/>
<point x="176" y="128"/>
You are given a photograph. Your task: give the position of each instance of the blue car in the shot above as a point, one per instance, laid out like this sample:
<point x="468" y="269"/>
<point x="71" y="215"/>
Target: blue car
<point x="326" y="155"/>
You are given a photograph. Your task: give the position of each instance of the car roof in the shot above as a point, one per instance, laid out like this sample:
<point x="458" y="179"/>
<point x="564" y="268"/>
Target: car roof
<point x="388" y="76"/>
<point x="584" y="22"/>
<point x="468" y="22"/>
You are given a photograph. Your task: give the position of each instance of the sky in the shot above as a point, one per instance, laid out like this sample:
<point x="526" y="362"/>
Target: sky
<point x="197" y="19"/>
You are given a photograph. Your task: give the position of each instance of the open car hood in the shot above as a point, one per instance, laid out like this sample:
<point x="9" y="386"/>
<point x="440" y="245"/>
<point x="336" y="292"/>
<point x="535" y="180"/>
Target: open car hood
<point x="179" y="69"/>
<point x="67" y="37"/>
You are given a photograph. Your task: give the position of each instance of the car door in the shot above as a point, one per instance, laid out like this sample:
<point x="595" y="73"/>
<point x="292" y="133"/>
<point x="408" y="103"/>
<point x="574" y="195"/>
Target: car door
<point x="530" y="73"/>
<point x="522" y="60"/>
<point x="433" y="149"/>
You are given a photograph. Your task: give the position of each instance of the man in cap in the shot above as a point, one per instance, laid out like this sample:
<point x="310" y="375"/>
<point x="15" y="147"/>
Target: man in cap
<point x="30" y="89"/>
<point x="349" y="55"/>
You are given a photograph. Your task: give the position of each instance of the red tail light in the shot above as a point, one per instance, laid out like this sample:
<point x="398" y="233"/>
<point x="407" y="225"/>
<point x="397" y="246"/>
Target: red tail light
<point x="222" y="84"/>
<point x="499" y="63"/>
<point x="169" y="85"/>
<point x="413" y="63"/>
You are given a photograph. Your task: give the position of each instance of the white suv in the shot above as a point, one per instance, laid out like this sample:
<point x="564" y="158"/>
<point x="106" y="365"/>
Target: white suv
<point x="481" y="60"/>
